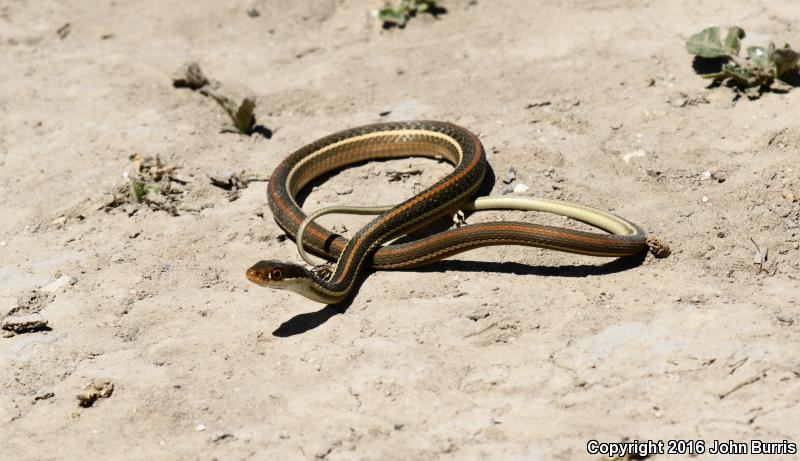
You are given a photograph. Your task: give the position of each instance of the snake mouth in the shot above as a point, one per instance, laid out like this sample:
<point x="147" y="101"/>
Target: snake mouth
<point x="254" y="276"/>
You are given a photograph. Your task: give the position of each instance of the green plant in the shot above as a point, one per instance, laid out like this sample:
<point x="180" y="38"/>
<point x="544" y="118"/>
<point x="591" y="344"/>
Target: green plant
<point x="762" y="68"/>
<point x="139" y="190"/>
<point x="244" y="121"/>
<point x="399" y="14"/>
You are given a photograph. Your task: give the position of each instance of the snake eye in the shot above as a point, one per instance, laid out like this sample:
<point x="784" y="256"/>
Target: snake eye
<point x="276" y="274"/>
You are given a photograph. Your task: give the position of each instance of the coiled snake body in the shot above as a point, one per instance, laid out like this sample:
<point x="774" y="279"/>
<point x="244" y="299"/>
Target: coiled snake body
<point x="450" y="194"/>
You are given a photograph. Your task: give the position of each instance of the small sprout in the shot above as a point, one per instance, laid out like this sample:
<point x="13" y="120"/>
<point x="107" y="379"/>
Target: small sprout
<point x="244" y="121"/>
<point x="763" y="67"/>
<point x="139" y="190"/>
<point x="151" y="183"/>
<point x="398" y="15"/>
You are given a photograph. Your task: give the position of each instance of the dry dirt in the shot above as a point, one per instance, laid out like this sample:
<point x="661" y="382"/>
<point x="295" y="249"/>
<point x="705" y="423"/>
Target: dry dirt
<point x="501" y="353"/>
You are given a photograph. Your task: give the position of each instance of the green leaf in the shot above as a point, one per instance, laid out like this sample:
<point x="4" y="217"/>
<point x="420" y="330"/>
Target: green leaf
<point x="758" y="56"/>
<point x="733" y="40"/>
<point x="392" y="16"/>
<point x="706" y="44"/>
<point x="139" y="190"/>
<point x="405" y="9"/>
<point x="244" y="118"/>
<point x="742" y="76"/>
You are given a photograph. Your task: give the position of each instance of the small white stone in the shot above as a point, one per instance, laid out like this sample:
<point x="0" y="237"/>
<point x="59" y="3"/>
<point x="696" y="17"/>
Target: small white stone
<point x="704" y="199"/>
<point x="637" y="153"/>
<point x="3" y="243"/>
<point x="200" y="428"/>
<point x="521" y="188"/>
<point x="706" y="175"/>
<point x="60" y="284"/>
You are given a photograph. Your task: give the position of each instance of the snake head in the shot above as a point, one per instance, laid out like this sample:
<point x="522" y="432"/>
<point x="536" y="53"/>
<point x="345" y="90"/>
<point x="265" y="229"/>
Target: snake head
<point x="277" y="274"/>
<point x="293" y="277"/>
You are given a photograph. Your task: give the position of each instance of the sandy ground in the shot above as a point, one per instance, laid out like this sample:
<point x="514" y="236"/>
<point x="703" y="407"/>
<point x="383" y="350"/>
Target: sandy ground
<point x="502" y="353"/>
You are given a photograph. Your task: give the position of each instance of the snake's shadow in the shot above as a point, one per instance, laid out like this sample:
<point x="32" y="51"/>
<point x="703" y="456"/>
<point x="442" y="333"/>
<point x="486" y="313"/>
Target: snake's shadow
<point x="302" y="323"/>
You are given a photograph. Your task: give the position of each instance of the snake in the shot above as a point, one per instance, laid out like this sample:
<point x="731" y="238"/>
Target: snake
<point x="452" y="193"/>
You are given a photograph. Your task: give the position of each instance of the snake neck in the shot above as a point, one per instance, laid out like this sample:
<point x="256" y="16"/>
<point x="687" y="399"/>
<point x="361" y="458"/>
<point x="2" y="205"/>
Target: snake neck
<point x="396" y="222"/>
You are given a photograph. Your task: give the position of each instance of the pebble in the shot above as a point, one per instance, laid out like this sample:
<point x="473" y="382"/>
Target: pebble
<point x="478" y="315"/>
<point x="678" y="102"/>
<point x="510" y="176"/>
<point x="189" y="76"/>
<point x="785" y="319"/>
<point x="95" y="390"/>
<point x="706" y="175"/>
<point x="223" y="179"/>
<point x="200" y="428"/>
<point x="704" y="199"/>
<point x="630" y="155"/>
<point x="3" y="243"/>
<point x="521" y="188"/>
<point x="60" y="284"/>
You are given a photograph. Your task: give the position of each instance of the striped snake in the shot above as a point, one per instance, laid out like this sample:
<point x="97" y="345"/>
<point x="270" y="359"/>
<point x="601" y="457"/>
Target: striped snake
<point x="450" y="194"/>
